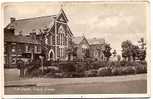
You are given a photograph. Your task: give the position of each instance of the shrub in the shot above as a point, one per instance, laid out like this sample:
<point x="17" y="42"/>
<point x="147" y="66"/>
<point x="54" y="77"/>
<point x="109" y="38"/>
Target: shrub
<point x="123" y="63"/>
<point x="67" y="74"/>
<point x="91" y="73"/>
<point x="104" y="71"/>
<point x="143" y="62"/>
<point x="128" y="70"/>
<point x="105" y="64"/>
<point x="114" y="64"/>
<point x="58" y="75"/>
<point x="94" y="65"/>
<point x="76" y="74"/>
<point x="50" y="74"/>
<point x="116" y="71"/>
<point x="141" y="69"/>
<point x="81" y="66"/>
<point x="134" y="63"/>
<point x="34" y="73"/>
<point x="54" y="75"/>
<point x="67" y="67"/>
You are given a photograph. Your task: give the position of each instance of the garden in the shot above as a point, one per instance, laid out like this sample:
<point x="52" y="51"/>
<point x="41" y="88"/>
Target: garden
<point x="73" y="69"/>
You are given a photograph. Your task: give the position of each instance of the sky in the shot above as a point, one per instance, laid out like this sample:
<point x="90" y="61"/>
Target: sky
<point x="115" y="22"/>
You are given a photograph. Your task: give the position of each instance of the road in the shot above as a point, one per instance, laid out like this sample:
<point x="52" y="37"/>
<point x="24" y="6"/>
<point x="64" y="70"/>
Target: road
<point x="93" y="85"/>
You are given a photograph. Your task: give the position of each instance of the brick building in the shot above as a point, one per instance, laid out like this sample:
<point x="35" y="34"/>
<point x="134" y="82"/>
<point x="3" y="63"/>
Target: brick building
<point x="49" y="34"/>
<point x="89" y="48"/>
<point x="97" y="46"/>
<point x="81" y="47"/>
<point x="16" y="46"/>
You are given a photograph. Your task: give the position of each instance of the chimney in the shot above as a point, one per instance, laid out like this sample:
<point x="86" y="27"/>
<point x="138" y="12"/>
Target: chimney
<point x="20" y="33"/>
<point x="33" y="36"/>
<point x="12" y="19"/>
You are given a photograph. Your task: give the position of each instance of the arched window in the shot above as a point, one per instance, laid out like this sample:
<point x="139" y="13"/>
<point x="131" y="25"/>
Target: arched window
<point x="46" y="40"/>
<point x="61" y="32"/>
<point x="61" y="29"/>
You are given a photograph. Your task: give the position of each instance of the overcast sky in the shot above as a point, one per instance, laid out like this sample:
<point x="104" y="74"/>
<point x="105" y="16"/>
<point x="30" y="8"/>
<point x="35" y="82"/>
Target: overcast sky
<point x="115" y="22"/>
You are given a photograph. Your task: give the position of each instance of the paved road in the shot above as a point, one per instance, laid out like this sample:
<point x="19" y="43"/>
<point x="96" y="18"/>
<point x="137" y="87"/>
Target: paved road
<point x="101" y="85"/>
<point x="11" y="74"/>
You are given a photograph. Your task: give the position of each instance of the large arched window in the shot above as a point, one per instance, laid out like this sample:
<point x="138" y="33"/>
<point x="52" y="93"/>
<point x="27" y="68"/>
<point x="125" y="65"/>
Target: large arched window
<point x="61" y="35"/>
<point x="61" y="32"/>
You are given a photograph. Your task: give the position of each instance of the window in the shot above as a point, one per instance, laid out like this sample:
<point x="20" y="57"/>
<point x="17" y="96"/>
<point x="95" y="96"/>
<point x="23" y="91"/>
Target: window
<point x="65" y="41"/>
<point x="38" y="49"/>
<point x="13" y="60"/>
<point x="61" y="29"/>
<point x="35" y="49"/>
<point x="13" y="49"/>
<point x="61" y="52"/>
<point x="58" y="51"/>
<point x="46" y="40"/>
<point x="5" y="49"/>
<point x="27" y="48"/>
<point x="58" y="39"/>
<point x="51" y="40"/>
<point x="61" y="32"/>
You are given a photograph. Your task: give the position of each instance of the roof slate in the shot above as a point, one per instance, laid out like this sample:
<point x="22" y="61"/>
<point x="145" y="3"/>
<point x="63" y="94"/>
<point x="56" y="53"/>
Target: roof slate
<point x="77" y="40"/>
<point x="26" y="26"/>
<point x="95" y="41"/>
<point x="92" y="41"/>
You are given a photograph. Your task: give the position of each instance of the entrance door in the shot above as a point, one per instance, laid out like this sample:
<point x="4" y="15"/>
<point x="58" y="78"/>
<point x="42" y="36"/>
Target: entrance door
<point x="51" y="55"/>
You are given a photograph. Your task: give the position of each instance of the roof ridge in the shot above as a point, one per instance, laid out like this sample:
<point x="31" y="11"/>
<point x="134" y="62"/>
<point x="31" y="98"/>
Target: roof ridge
<point x="35" y="17"/>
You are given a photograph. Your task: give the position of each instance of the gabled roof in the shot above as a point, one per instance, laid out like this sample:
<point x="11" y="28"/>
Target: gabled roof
<point x="95" y="41"/>
<point x="62" y="13"/>
<point x="29" y="25"/>
<point x="77" y="40"/>
<point x="20" y="39"/>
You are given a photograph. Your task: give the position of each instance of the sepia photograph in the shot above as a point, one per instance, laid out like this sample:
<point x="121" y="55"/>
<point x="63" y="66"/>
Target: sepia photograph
<point x="54" y="48"/>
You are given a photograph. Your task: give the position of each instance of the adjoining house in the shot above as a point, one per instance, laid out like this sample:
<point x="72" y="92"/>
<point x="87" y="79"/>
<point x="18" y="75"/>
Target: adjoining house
<point x="81" y="47"/>
<point x="97" y="46"/>
<point x="17" y="46"/>
<point x="89" y="48"/>
<point x="52" y="33"/>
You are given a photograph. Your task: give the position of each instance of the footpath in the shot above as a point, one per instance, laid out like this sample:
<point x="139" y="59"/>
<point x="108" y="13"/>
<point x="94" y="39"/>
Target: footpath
<point x="58" y="81"/>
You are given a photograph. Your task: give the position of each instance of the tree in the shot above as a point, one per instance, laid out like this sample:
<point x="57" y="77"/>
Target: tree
<point x="114" y="53"/>
<point x="142" y="43"/>
<point x="135" y="51"/>
<point x="127" y="50"/>
<point x="107" y="52"/>
<point x="70" y="50"/>
<point x="142" y="54"/>
<point x="130" y="50"/>
<point x="142" y="50"/>
<point x="44" y="40"/>
<point x="118" y="58"/>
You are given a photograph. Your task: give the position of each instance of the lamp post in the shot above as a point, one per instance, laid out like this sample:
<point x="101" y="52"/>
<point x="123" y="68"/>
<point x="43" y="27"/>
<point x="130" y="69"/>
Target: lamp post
<point x="42" y="66"/>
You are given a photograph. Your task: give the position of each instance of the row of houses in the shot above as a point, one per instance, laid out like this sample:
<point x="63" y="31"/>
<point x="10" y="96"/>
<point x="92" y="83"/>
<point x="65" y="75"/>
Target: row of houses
<point x="49" y="36"/>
